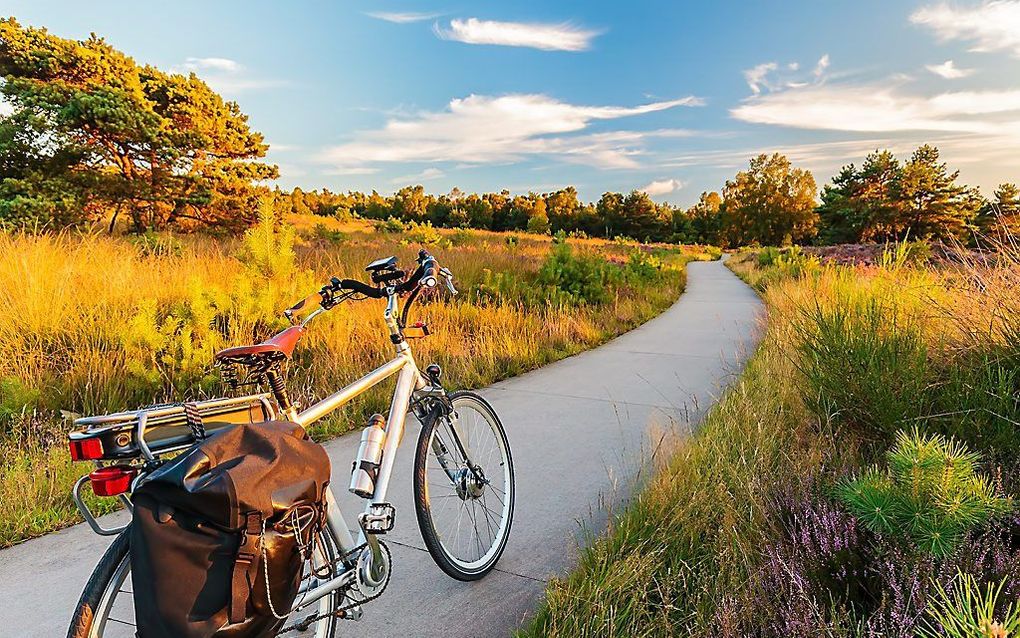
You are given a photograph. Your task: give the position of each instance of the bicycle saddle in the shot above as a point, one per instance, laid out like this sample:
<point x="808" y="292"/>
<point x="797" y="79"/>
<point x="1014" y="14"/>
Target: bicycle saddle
<point x="280" y="346"/>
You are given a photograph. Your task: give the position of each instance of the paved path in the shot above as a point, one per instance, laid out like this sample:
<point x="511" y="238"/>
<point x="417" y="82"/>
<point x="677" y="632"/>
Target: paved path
<point x="578" y="429"/>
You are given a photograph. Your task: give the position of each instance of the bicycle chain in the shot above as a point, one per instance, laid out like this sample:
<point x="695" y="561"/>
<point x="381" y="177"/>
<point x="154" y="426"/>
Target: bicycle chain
<point x="306" y="622"/>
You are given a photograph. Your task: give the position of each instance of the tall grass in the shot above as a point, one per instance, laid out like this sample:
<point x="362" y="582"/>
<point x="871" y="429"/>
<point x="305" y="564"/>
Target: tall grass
<point x="92" y="324"/>
<point x="740" y="532"/>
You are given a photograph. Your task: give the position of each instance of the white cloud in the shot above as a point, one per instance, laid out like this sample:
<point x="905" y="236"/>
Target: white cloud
<point x="770" y="76"/>
<point x="989" y="26"/>
<point x="948" y="70"/>
<point x="662" y="187"/>
<point x="821" y="66"/>
<point x="879" y="107"/>
<point x="547" y="37"/>
<point x="756" y="76"/>
<point x="426" y="175"/>
<point x="224" y="75"/>
<point x="483" y="129"/>
<point x="215" y="64"/>
<point x="404" y="17"/>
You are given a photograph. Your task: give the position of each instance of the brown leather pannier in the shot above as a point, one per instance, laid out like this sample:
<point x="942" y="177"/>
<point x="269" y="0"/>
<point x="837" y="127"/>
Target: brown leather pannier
<point x="209" y="526"/>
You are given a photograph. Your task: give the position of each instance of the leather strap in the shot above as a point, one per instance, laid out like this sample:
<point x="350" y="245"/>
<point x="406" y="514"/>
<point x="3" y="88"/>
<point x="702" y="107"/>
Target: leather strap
<point x="194" y="419"/>
<point x="246" y="567"/>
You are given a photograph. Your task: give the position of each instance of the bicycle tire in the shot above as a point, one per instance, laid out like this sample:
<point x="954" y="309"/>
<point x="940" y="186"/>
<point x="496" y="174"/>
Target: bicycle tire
<point x="458" y="569"/>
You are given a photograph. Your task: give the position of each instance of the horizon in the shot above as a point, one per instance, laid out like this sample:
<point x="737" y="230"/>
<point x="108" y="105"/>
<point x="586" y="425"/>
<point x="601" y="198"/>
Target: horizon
<point x="669" y="100"/>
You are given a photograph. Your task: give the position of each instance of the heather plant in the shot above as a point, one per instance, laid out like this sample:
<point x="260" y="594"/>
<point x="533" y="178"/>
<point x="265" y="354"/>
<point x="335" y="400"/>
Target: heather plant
<point x="967" y="610"/>
<point x="930" y="494"/>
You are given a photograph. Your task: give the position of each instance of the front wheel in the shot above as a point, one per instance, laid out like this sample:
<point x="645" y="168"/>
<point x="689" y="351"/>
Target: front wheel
<point x="464" y="486"/>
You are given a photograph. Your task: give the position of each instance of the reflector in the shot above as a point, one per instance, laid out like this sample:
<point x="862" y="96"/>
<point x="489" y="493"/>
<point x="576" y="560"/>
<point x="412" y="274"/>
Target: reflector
<point x="85" y="449"/>
<point x="113" y="480"/>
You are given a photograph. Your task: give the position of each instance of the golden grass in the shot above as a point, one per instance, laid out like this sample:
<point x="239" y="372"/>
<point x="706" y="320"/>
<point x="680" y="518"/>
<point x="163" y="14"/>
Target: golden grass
<point x="683" y="557"/>
<point x="92" y="324"/>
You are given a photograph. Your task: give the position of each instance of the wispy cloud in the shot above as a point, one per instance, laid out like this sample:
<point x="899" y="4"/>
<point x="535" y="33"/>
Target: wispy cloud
<point x="481" y="129"/>
<point x="989" y="26"/>
<point x="662" y="187"/>
<point x="770" y="76"/>
<point x="756" y="76"/>
<point x="225" y="65"/>
<point x="949" y="70"/>
<point x="547" y="37"/>
<point x="401" y="17"/>
<point x="879" y="107"/>
<point x="426" y="175"/>
<point x="224" y="75"/>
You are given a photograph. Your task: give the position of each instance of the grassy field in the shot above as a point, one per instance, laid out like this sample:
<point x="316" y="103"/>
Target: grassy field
<point x="92" y="324"/>
<point x="858" y="480"/>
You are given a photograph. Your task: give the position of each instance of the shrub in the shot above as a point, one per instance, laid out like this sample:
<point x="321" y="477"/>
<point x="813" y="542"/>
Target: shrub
<point x="585" y="277"/>
<point x="643" y="267"/>
<point x="971" y="611"/>
<point x="423" y="233"/>
<point x="323" y="232"/>
<point x="930" y="494"/>
<point x="392" y="225"/>
<point x="157" y="244"/>
<point x="268" y="247"/>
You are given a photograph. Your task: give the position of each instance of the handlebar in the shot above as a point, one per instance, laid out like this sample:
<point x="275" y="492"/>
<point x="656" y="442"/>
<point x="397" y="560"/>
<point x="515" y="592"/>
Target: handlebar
<point x="425" y="276"/>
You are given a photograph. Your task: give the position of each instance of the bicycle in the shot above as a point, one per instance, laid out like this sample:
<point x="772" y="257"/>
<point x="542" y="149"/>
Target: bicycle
<point x="462" y="464"/>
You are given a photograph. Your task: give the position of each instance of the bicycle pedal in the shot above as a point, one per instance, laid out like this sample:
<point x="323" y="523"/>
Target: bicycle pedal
<point x="378" y="519"/>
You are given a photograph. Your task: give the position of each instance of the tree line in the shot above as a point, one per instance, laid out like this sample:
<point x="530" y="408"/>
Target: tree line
<point x="89" y="135"/>
<point x="770" y="203"/>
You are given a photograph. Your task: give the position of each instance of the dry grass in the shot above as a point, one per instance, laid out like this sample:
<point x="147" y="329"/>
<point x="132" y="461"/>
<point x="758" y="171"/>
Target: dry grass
<point x="90" y="324"/>
<point x="909" y="347"/>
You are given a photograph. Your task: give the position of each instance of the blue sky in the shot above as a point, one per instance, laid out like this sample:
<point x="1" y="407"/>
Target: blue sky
<point x="670" y="97"/>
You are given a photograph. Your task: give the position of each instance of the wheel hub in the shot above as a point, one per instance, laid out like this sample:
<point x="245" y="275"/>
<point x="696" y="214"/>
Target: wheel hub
<point x="470" y="484"/>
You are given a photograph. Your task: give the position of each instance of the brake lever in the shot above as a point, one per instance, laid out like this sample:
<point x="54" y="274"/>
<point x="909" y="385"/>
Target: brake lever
<point x="448" y="276"/>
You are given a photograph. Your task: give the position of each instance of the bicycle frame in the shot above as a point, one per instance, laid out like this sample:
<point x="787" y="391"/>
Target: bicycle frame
<point x="409" y="380"/>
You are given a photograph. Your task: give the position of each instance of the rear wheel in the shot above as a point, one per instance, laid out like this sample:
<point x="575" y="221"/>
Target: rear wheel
<point x="464" y="486"/>
<point x="106" y="608"/>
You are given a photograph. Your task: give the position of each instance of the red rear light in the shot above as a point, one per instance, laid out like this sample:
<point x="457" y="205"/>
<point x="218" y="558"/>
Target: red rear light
<point x="113" y="480"/>
<point x="86" y="449"/>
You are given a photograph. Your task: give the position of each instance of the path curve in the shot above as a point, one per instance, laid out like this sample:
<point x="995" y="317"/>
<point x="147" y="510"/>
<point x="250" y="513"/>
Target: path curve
<point x="578" y="429"/>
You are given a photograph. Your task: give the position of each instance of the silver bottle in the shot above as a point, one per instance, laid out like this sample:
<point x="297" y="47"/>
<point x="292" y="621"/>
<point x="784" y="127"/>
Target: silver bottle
<point x="366" y="465"/>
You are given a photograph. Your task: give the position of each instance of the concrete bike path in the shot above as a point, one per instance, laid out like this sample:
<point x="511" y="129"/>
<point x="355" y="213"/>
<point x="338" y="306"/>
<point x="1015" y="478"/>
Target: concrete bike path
<point x="578" y="429"/>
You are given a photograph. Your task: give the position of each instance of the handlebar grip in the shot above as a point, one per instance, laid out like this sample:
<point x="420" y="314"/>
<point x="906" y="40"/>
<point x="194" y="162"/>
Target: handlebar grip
<point x="314" y="298"/>
<point x="361" y="288"/>
<point x="430" y="272"/>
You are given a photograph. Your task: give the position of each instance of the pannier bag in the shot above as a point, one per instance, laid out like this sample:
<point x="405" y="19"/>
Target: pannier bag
<point x="209" y="527"/>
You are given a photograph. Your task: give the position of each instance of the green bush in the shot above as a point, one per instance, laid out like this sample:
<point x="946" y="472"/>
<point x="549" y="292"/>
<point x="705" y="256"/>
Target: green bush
<point x="268" y="247"/>
<point x="586" y="277"/>
<point x="423" y="233"/>
<point x="930" y="493"/>
<point x="392" y="225"/>
<point x="157" y="244"/>
<point x="324" y="233"/>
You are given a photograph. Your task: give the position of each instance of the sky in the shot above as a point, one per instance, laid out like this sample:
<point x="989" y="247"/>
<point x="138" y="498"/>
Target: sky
<point x="668" y="97"/>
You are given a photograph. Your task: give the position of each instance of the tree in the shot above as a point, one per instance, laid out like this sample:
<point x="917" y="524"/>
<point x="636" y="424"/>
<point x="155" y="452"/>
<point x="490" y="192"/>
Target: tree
<point x="861" y="205"/>
<point x="1002" y="214"/>
<point x="702" y="222"/>
<point x="771" y="203"/>
<point x="92" y="133"/>
<point x="641" y="218"/>
<point x="933" y="204"/>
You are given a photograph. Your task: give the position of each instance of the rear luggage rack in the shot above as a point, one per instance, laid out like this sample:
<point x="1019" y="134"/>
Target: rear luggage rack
<point x="161" y="429"/>
<point x="153" y="431"/>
